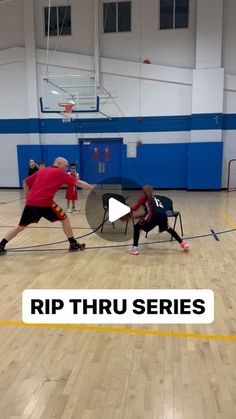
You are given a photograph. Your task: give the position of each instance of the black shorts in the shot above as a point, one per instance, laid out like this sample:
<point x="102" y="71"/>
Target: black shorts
<point x="159" y="220"/>
<point x="33" y="214"/>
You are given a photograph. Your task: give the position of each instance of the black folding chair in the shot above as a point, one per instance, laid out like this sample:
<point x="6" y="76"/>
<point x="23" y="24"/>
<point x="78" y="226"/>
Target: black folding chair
<point x="168" y="206"/>
<point x="105" y="203"/>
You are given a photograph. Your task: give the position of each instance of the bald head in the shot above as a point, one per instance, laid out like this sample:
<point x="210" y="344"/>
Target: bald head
<point x="61" y="163"/>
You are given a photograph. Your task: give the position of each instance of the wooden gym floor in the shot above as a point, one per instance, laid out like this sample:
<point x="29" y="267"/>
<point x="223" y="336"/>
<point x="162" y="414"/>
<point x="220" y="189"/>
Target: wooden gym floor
<point x="87" y="374"/>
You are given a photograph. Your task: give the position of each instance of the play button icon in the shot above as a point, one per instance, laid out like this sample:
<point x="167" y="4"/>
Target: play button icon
<point x="106" y="207"/>
<point x="117" y="210"/>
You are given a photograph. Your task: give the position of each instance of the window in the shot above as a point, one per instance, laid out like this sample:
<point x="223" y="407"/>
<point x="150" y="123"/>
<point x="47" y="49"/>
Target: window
<point x="60" y="20"/>
<point x="174" y="14"/>
<point x="117" y="16"/>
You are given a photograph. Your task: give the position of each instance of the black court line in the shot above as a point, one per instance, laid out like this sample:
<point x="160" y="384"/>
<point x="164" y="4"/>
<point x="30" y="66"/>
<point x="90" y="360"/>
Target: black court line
<point x="214" y="235"/>
<point x="52" y="228"/>
<point x="30" y="249"/>
<point x="9" y="202"/>
<point x="64" y="241"/>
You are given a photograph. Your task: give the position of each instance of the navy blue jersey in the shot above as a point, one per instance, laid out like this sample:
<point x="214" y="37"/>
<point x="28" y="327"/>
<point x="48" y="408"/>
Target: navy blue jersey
<point x="154" y="208"/>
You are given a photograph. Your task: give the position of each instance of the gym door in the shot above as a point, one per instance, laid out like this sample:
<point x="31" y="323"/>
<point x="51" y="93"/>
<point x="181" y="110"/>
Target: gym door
<point x="101" y="160"/>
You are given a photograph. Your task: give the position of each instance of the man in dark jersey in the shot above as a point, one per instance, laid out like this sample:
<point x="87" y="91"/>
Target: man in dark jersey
<point x="40" y="189"/>
<point x="154" y="215"/>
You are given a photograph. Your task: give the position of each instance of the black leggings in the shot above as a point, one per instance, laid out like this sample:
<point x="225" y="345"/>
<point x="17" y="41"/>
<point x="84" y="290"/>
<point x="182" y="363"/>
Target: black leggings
<point x="138" y="227"/>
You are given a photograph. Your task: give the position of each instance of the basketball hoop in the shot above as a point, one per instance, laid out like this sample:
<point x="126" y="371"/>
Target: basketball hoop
<point x="66" y="111"/>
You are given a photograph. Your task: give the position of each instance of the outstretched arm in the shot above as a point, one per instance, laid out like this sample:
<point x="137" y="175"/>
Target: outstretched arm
<point x="142" y="200"/>
<point x="28" y="182"/>
<point x="25" y="187"/>
<point x="140" y="203"/>
<point x="84" y="185"/>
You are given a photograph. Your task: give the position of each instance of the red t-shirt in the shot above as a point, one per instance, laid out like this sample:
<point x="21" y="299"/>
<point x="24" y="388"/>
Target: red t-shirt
<point x="44" y="184"/>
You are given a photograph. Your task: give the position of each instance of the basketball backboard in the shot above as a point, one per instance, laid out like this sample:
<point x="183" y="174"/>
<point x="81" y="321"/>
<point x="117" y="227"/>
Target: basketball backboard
<point x="76" y="89"/>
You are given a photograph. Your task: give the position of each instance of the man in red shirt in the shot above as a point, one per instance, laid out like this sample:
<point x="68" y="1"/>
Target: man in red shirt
<point x="40" y="189"/>
<point x="154" y="215"/>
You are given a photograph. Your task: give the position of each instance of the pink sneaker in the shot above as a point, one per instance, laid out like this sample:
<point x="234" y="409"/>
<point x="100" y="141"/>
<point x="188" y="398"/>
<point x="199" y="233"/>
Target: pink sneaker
<point x="184" y="245"/>
<point x="134" y="251"/>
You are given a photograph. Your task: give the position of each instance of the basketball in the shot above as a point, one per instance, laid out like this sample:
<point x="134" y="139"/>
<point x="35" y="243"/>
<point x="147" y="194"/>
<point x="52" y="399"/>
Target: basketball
<point x="126" y="217"/>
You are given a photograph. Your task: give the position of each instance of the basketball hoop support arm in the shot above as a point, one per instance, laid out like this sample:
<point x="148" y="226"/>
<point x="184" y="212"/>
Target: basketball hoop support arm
<point x="104" y="114"/>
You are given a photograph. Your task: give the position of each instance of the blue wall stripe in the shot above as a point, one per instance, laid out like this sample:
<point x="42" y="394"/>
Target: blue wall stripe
<point x="229" y="121"/>
<point x="19" y="126"/>
<point x="206" y="121"/>
<point x="123" y="124"/>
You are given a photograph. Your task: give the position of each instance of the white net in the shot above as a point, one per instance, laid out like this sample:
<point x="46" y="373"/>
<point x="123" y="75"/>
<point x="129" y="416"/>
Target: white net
<point x="66" y="117"/>
<point x="66" y="112"/>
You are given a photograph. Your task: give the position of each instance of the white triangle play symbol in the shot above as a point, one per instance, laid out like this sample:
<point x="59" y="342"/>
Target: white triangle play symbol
<point x="116" y="209"/>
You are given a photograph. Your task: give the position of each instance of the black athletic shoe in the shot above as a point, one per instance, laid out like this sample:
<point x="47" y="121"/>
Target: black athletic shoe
<point x="2" y="251"/>
<point x="76" y="246"/>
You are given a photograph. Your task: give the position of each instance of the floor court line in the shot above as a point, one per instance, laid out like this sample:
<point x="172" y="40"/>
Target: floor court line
<point x="120" y="330"/>
<point x="228" y="219"/>
<point x="9" y="202"/>
<point x="38" y="247"/>
<point x="45" y="227"/>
